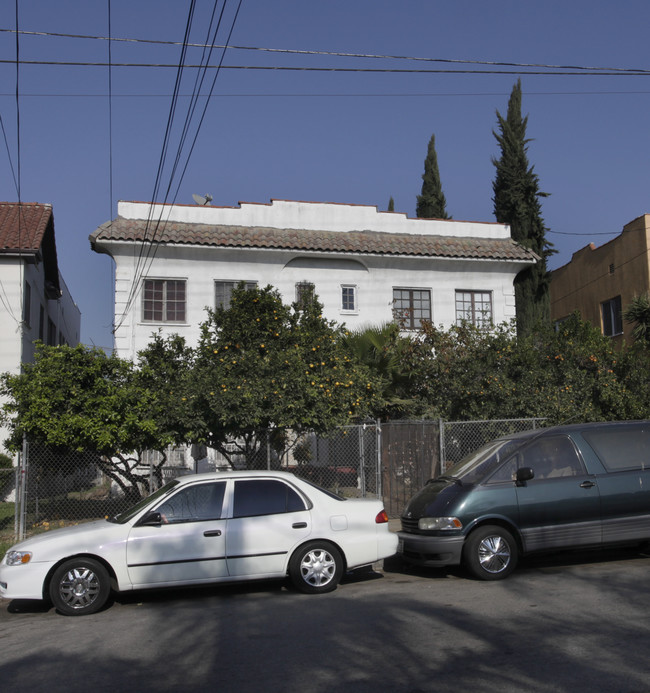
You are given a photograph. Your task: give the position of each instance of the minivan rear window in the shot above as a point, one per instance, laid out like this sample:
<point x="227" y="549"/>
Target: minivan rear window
<point x="621" y="447"/>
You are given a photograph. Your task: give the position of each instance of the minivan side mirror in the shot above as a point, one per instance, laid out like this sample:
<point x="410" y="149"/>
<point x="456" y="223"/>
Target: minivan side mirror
<point x="523" y="475"/>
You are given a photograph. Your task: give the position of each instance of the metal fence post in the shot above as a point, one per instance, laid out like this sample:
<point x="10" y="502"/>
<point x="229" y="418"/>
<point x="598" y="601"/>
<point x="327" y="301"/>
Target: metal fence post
<point x="378" y="472"/>
<point x="23" y="461"/>
<point x="362" y="460"/>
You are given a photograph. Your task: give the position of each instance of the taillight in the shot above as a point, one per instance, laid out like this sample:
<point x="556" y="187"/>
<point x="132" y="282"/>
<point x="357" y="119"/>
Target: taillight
<point x="381" y="518"/>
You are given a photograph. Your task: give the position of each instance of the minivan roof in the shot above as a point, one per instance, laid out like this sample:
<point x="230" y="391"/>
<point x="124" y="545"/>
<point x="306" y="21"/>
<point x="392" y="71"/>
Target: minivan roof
<point x="570" y="428"/>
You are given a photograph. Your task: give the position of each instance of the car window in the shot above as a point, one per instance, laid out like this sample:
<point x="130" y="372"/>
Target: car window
<point x="135" y="509"/>
<point x="479" y="464"/>
<point x="265" y="497"/>
<point x="551" y="458"/>
<point x="621" y="447"/>
<point x="507" y="471"/>
<point x="194" y="503"/>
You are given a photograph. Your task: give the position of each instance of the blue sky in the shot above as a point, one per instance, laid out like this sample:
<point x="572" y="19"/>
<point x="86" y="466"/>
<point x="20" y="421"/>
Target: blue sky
<point x="355" y="136"/>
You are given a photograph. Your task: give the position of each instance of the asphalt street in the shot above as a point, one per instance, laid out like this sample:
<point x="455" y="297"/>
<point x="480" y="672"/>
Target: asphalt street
<point x="565" y="623"/>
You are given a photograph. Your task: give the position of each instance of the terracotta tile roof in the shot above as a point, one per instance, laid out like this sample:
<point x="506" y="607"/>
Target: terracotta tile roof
<point x="354" y="242"/>
<point x="23" y="226"/>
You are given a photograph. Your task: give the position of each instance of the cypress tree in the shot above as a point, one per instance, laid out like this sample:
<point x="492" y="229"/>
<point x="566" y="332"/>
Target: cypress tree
<point x="391" y="204"/>
<point x="517" y="203"/>
<point x="431" y="203"/>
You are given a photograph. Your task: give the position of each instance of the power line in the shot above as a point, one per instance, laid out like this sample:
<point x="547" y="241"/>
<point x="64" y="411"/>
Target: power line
<point x="149" y="254"/>
<point x="289" y="51"/>
<point x="110" y="146"/>
<point x="11" y="163"/>
<point x="161" y="161"/>
<point x="355" y="94"/>
<point x="580" y="72"/>
<point x="18" y="181"/>
<point x="584" y="233"/>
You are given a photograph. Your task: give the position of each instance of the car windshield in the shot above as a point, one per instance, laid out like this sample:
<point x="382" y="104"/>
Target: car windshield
<point x="126" y="515"/>
<point x="479" y="464"/>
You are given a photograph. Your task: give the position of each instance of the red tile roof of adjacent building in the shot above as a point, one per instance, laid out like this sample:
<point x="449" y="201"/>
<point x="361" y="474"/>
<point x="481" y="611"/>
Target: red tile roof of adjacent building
<point x="27" y="231"/>
<point x="23" y="226"/>
<point x="357" y="242"/>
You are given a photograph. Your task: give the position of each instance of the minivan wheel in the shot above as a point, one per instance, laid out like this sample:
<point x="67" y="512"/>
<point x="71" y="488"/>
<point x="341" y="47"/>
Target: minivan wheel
<point x="316" y="567"/>
<point x="79" y="586"/>
<point x="490" y="553"/>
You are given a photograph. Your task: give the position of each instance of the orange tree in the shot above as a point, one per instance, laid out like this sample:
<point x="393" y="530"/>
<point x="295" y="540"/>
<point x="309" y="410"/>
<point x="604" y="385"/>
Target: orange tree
<point x="262" y="366"/>
<point x="81" y="399"/>
<point x="569" y="373"/>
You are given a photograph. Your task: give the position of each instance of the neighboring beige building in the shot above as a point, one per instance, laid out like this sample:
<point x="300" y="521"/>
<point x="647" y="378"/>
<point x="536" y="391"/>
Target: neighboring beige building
<point x="601" y="282"/>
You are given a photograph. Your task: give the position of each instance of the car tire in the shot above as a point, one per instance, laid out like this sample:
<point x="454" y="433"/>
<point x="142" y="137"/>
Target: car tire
<point x="490" y="553"/>
<point x="79" y="586"/>
<point x="316" y="567"/>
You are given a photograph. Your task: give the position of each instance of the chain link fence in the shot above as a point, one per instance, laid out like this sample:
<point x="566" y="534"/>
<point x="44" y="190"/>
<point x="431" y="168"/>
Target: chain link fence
<point x="392" y="461"/>
<point x="459" y="438"/>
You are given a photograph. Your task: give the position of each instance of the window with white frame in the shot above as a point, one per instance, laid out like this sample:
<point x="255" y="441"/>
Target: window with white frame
<point x="223" y="291"/>
<point x="411" y="307"/>
<point x="349" y="298"/>
<point x="474" y="307"/>
<point x="611" y="312"/>
<point x="163" y="300"/>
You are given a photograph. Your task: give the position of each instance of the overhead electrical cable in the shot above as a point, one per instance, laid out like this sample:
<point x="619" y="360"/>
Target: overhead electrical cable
<point x="198" y="83"/>
<point x="110" y="145"/>
<point x="205" y="107"/>
<point x="149" y="248"/>
<point x="161" y="162"/>
<point x="11" y="163"/>
<point x="18" y="187"/>
<point x="288" y="68"/>
<point x="290" y="51"/>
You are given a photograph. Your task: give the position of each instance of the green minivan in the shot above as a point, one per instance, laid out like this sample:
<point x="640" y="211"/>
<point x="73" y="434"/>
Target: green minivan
<point x="574" y="486"/>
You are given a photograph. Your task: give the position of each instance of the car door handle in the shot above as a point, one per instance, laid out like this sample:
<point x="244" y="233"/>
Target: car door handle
<point x="212" y="533"/>
<point x="299" y="525"/>
<point x="587" y="484"/>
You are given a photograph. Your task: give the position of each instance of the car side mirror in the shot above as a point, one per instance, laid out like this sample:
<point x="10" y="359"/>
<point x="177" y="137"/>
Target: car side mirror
<point x="523" y="475"/>
<point x="152" y="519"/>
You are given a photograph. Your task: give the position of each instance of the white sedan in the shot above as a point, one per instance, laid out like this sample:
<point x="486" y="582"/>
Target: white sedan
<point x="218" y="527"/>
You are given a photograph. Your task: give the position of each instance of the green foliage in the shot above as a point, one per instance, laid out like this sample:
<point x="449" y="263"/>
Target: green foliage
<point x="72" y="396"/>
<point x="517" y="203"/>
<point x="572" y="373"/>
<point x="639" y="312"/>
<point x="83" y="400"/>
<point x="261" y="364"/>
<point x="391" y="205"/>
<point x="5" y="461"/>
<point x="163" y="374"/>
<point x="384" y="352"/>
<point x="431" y="204"/>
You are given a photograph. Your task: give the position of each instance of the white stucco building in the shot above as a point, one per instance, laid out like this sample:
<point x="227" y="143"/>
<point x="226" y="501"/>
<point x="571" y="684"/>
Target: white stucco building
<point x="366" y="267"/>
<point x="35" y="303"/>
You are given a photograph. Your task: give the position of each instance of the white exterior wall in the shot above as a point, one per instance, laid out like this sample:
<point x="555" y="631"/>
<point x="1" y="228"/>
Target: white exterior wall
<point x="312" y="216"/>
<point x="20" y="329"/>
<point x="11" y="276"/>
<point x="373" y="276"/>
